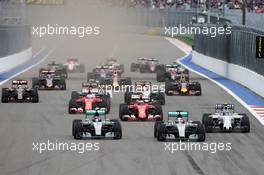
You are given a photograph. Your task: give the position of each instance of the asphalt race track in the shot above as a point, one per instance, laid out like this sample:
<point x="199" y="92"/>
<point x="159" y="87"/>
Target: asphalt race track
<point x="138" y="152"/>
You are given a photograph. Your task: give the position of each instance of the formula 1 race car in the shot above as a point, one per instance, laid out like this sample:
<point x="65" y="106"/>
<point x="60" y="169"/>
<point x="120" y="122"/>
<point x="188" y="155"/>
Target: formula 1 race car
<point x="140" y="110"/>
<point x="97" y="126"/>
<point x="183" y="87"/>
<point x="225" y="119"/>
<point x="19" y="92"/>
<point x="100" y="72"/>
<point x="60" y="69"/>
<point x="172" y="72"/>
<point x="91" y="87"/>
<point x="116" y="80"/>
<point x="179" y="127"/>
<point x="113" y="64"/>
<point x="80" y="102"/>
<point x="49" y="80"/>
<point x="145" y="89"/>
<point x="73" y="66"/>
<point x="145" y="65"/>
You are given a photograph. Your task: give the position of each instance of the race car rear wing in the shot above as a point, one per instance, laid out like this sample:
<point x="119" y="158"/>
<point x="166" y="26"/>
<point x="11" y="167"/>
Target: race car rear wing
<point x="178" y="114"/>
<point x="221" y="107"/>
<point x="152" y="59"/>
<point x="19" y="82"/>
<point x="47" y="71"/>
<point x="72" y="60"/>
<point x="172" y="66"/>
<point x="138" y="96"/>
<point x="97" y="112"/>
<point x="142" y="83"/>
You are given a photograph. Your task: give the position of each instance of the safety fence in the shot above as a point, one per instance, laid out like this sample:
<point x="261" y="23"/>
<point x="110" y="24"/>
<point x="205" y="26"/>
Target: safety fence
<point x="237" y="48"/>
<point x="14" y="33"/>
<point x="14" y="39"/>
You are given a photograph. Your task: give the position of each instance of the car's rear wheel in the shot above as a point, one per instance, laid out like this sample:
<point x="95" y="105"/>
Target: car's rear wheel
<point x="160" y="76"/>
<point x="5" y="95"/>
<point x="73" y="125"/>
<point x="123" y="110"/>
<point x="245" y="124"/>
<point x="200" y="131"/>
<point x="161" y="98"/>
<point x="161" y="134"/>
<point x="208" y="123"/>
<point x="117" y="130"/>
<point x="133" y="67"/>
<point x="35" y="96"/>
<point x="77" y="130"/>
<point x="156" y="125"/>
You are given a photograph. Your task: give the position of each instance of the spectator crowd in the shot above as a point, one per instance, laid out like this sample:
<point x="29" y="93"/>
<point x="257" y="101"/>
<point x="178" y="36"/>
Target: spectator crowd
<point x="251" y="5"/>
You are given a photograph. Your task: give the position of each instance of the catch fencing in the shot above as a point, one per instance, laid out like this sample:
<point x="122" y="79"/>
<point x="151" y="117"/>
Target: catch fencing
<point x="237" y="48"/>
<point x="14" y="32"/>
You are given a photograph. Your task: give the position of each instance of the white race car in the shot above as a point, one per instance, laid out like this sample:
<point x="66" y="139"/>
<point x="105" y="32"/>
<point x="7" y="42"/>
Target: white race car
<point x="225" y="118"/>
<point x="73" y="65"/>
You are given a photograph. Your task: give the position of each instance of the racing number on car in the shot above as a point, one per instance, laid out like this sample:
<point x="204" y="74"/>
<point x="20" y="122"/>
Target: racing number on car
<point x="260" y="47"/>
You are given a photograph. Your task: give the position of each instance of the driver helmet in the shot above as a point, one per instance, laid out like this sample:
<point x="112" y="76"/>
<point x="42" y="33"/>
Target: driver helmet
<point x="181" y="120"/>
<point x="89" y="96"/>
<point x="48" y="75"/>
<point x="19" y="86"/>
<point x="225" y="111"/>
<point x="96" y="117"/>
<point x="141" y="102"/>
<point x="182" y="79"/>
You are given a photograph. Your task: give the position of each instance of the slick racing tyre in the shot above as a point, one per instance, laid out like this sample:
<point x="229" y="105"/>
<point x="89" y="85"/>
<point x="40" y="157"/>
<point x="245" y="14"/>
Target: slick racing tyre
<point x="5" y="95"/>
<point x="105" y="104"/>
<point x="77" y="130"/>
<point x="142" y="69"/>
<point x="90" y="75"/>
<point x="117" y="129"/>
<point x="159" y="111"/>
<point x="35" y="96"/>
<point x="156" y="125"/>
<point x="123" y="110"/>
<point x="161" y="98"/>
<point x="63" y="84"/>
<point x="200" y="131"/>
<point x="72" y="104"/>
<point x="127" y="97"/>
<point x="161" y="135"/>
<point x="245" y="125"/>
<point x="35" y="83"/>
<point x="160" y="76"/>
<point x="122" y="68"/>
<point x="74" y="95"/>
<point x="133" y="67"/>
<point x="73" y="125"/>
<point x="208" y="123"/>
